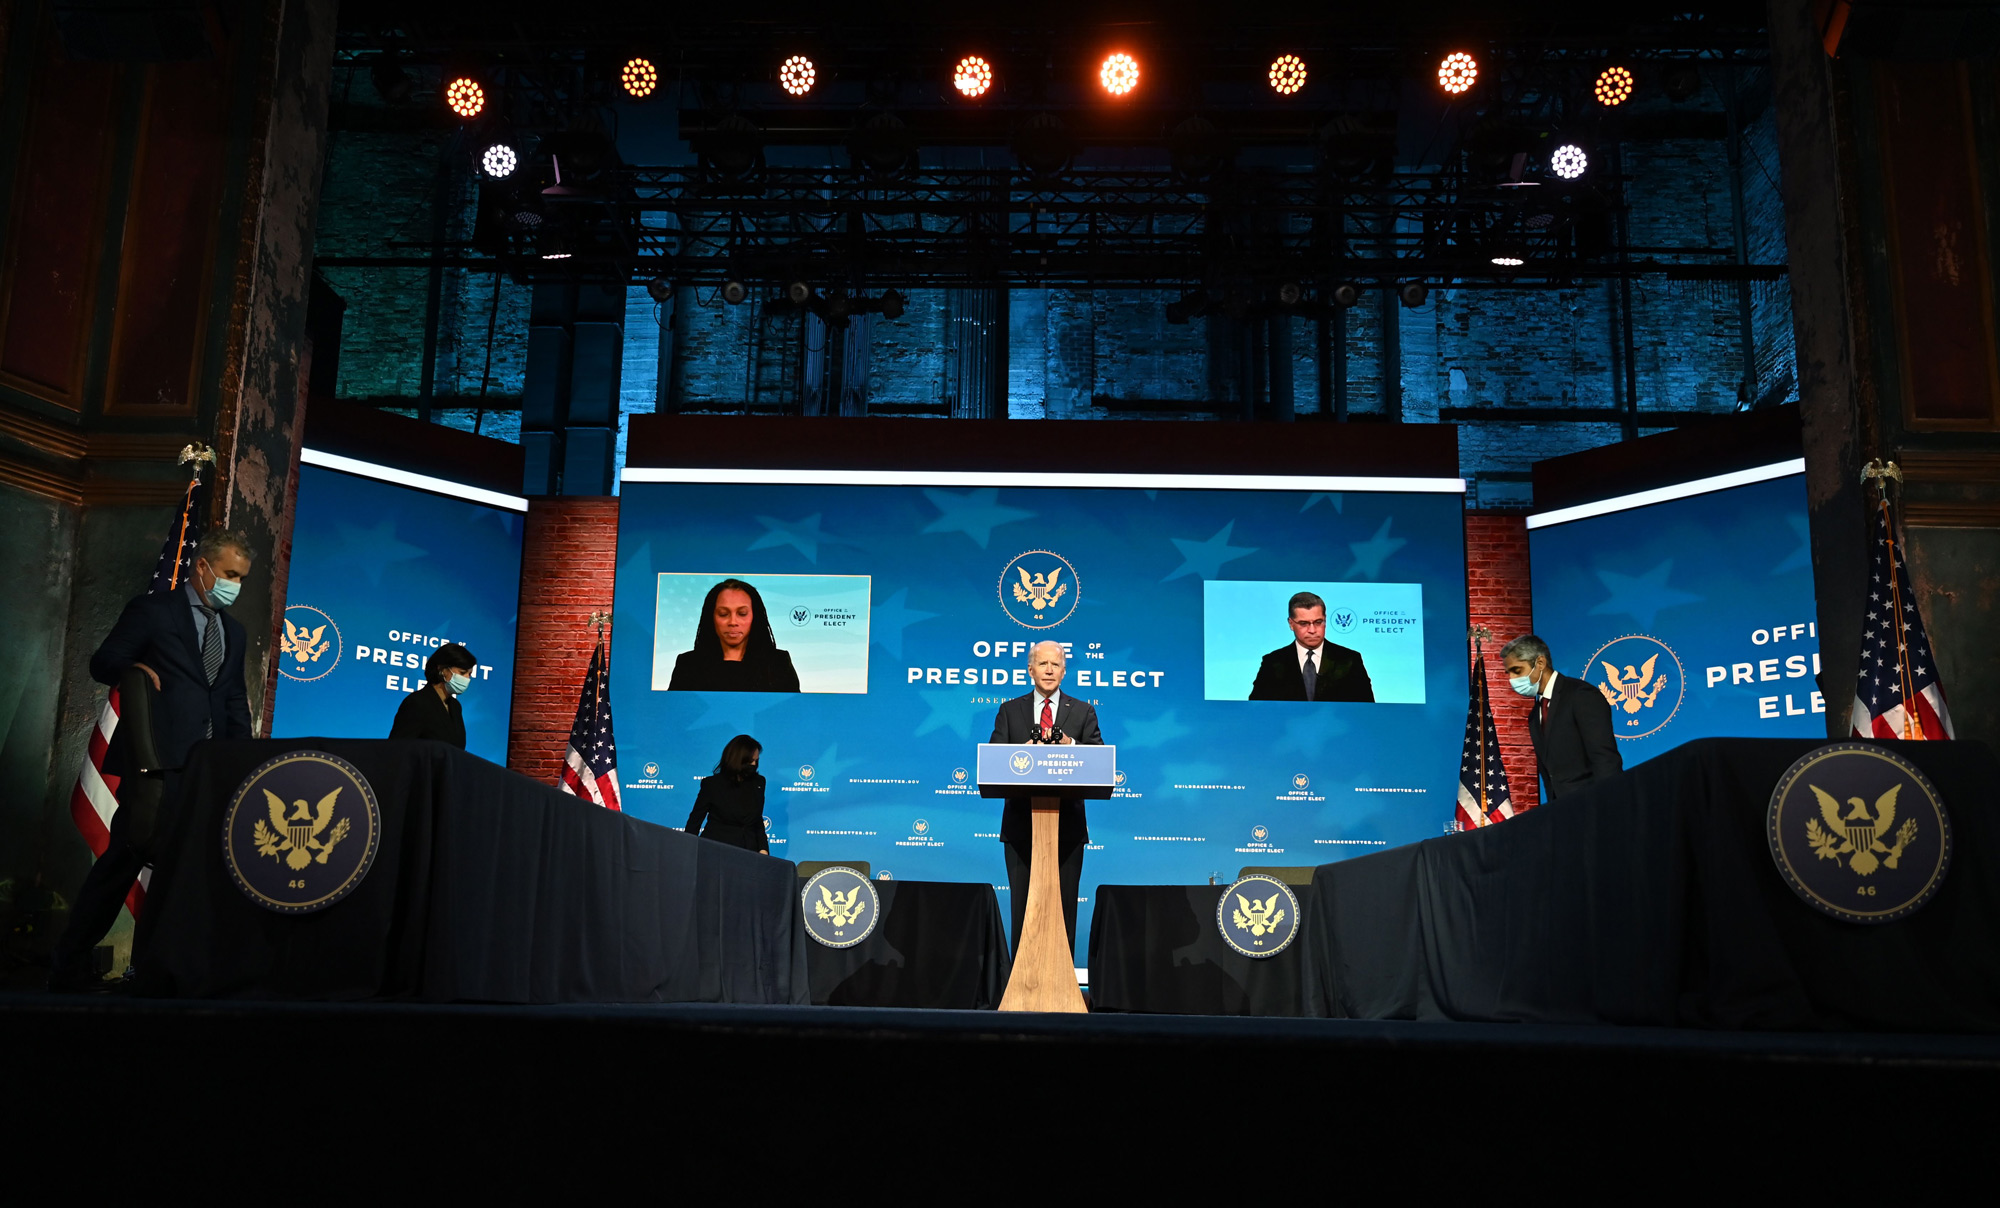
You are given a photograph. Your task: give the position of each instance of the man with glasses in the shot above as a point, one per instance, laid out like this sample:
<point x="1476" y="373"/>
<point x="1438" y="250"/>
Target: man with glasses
<point x="1310" y="667"/>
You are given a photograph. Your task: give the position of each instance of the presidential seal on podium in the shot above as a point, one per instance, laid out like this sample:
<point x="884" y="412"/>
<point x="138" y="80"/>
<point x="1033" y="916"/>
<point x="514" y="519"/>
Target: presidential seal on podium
<point x="301" y="832"/>
<point x="1859" y="833"/>
<point x="1258" y="916"/>
<point x="840" y="906"/>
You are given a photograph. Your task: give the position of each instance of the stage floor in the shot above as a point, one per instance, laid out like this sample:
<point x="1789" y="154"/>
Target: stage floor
<point x="811" y="1089"/>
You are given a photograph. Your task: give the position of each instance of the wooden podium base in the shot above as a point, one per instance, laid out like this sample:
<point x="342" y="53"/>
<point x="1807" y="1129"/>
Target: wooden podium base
<point x="1044" y="977"/>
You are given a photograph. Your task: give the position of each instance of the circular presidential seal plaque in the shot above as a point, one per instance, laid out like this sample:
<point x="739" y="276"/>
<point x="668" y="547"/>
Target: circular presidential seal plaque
<point x="301" y="832"/>
<point x="1859" y="833"/>
<point x="1258" y="916"/>
<point x="841" y="906"/>
<point x="1039" y="589"/>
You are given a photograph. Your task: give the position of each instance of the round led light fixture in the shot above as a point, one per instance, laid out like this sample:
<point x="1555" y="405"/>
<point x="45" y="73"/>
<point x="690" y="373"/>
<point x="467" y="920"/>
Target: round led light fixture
<point x="1288" y="74"/>
<point x="465" y="97"/>
<point x="1457" y="72"/>
<point x="1119" y="74"/>
<point x="498" y="160"/>
<point x="1569" y="161"/>
<point x="796" y="75"/>
<point x="639" y="77"/>
<point x="972" y="77"/>
<point x="1614" y="86"/>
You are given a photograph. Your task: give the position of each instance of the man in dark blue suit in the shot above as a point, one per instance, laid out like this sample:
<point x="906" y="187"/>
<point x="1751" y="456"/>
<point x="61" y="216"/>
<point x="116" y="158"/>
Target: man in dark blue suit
<point x="1040" y="716"/>
<point x="192" y="653"/>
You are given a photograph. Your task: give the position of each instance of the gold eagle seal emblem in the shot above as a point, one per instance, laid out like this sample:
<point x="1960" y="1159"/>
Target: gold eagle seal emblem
<point x="840" y="906"/>
<point x="301" y="831"/>
<point x="1258" y="916"/>
<point x="309" y="648"/>
<point x="1038" y="589"/>
<point x="1859" y="833"/>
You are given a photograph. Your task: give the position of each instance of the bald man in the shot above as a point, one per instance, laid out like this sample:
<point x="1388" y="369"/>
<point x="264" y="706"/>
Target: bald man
<point x="1044" y="712"/>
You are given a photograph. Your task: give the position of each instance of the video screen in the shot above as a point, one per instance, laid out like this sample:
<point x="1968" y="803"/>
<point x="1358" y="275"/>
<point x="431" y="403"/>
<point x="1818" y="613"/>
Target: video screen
<point x="1694" y="617"/>
<point x="907" y="614"/>
<point x="748" y="632"/>
<point x="381" y="576"/>
<point x="1365" y="641"/>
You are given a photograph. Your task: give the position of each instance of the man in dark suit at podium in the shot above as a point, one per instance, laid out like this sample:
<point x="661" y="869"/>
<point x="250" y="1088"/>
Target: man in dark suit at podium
<point x="1309" y="667"/>
<point x="1570" y="724"/>
<point x="1044" y="713"/>
<point x="191" y="651"/>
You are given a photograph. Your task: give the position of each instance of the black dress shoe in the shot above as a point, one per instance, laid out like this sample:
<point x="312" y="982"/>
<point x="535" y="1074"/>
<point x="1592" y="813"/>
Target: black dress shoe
<point x="72" y="981"/>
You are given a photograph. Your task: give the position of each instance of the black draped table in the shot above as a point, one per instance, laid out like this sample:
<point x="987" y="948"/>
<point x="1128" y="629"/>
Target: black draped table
<point x="939" y="944"/>
<point x="1652" y="899"/>
<point x="487" y="887"/>
<point x="1155" y="948"/>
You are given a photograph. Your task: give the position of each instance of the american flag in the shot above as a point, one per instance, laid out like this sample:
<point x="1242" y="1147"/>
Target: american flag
<point x="94" y="800"/>
<point x="590" y="766"/>
<point x="1899" y="695"/>
<point x="1482" y="779"/>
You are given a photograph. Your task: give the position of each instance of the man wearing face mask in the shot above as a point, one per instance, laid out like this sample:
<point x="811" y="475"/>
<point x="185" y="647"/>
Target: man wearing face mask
<point x="192" y="653"/>
<point x="1570" y="723"/>
<point x="432" y="711"/>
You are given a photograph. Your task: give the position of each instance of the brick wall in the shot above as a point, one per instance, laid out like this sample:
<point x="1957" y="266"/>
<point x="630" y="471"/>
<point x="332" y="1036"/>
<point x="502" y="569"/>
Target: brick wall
<point x="568" y="561"/>
<point x="1497" y="596"/>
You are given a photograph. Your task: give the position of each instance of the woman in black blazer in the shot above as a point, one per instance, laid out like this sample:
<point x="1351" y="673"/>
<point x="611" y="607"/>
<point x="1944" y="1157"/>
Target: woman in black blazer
<point x="732" y="800"/>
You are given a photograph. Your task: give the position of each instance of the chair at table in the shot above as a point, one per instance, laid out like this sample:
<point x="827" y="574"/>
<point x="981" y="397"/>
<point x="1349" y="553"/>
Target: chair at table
<point x="808" y="868"/>
<point x="1300" y="874"/>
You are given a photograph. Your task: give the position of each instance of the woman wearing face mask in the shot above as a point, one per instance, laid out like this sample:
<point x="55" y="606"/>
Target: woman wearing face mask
<point x="732" y="799"/>
<point x="432" y="711"/>
<point x="733" y="647"/>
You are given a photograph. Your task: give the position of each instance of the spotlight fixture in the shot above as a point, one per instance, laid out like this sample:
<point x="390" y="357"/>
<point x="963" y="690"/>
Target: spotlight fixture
<point x="1508" y="261"/>
<point x="1614" y="86"/>
<point x="972" y="77"/>
<point x="1413" y="293"/>
<point x="639" y="77"/>
<point x="1569" y="161"/>
<point x="466" y="98"/>
<point x="1457" y="72"/>
<point x="798" y="293"/>
<point x="891" y="304"/>
<point x="1346" y="295"/>
<point x="555" y="247"/>
<point x="796" y="75"/>
<point x="1288" y="74"/>
<point x="1290" y="293"/>
<point x="1119" y="74"/>
<point x="659" y="289"/>
<point x="734" y="292"/>
<point x="498" y="161"/>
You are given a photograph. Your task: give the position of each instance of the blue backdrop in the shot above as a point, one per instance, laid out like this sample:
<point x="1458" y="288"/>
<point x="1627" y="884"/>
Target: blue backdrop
<point x="963" y="580"/>
<point x="1715" y="590"/>
<point x="381" y="576"/>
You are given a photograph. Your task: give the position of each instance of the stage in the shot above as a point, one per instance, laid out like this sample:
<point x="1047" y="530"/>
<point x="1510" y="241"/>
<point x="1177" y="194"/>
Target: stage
<point x="807" y="1102"/>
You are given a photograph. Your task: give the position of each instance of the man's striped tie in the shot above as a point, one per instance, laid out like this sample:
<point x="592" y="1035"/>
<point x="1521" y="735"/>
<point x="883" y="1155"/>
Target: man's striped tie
<point x="211" y="657"/>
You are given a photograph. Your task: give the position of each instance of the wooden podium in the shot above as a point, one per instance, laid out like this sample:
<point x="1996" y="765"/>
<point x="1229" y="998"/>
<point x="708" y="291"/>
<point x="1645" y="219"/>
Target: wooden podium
<point x="1044" y="976"/>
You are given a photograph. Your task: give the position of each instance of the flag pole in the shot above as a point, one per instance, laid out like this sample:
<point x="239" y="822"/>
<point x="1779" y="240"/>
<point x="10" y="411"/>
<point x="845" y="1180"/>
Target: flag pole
<point x="1882" y="474"/>
<point x="194" y="454"/>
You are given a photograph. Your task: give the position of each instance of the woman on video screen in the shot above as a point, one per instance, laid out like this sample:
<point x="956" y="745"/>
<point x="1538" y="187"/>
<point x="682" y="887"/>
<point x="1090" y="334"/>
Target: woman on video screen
<point x="733" y="647"/>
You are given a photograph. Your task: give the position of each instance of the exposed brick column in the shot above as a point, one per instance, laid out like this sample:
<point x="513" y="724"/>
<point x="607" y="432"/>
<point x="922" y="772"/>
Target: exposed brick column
<point x="1498" y="596"/>
<point x="568" y="562"/>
